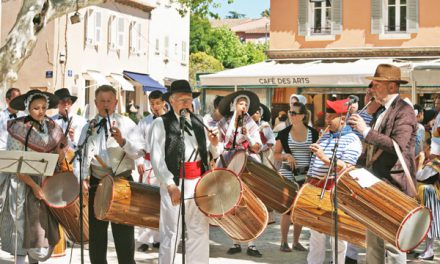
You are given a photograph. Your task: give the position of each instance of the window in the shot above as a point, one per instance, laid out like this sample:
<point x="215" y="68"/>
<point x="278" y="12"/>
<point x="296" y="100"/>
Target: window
<point x="93" y="27"/>
<point x="184" y="51"/>
<point x="120" y="32"/>
<point x="166" y="46"/>
<point x="112" y="31"/>
<point x="135" y="38"/>
<point x="395" y="15"/>
<point x="157" y="46"/>
<point x="394" y="19"/>
<point x="320" y="17"/>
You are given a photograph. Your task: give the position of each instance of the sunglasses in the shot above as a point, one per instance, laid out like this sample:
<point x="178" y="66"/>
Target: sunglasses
<point x="293" y="113"/>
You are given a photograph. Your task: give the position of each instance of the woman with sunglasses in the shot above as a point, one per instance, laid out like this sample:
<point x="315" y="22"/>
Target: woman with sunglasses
<point x="292" y="148"/>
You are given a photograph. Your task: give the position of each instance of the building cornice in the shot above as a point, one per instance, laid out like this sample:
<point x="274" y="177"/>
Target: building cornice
<point x="344" y="53"/>
<point x="138" y="4"/>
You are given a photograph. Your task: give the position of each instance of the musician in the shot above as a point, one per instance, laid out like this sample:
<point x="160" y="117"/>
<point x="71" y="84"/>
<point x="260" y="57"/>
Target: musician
<point x="262" y="118"/>
<point x="146" y="173"/>
<point x="292" y="148"/>
<point x="395" y="121"/>
<point x="116" y="140"/>
<point x="347" y="153"/>
<point x="74" y="125"/>
<point x="166" y="154"/>
<point x="212" y="119"/>
<point x="428" y="179"/>
<point x="238" y="131"/>
<point x="35" y="227"/>
<point x="7" y="114"/>
<point x="435" y="133"/>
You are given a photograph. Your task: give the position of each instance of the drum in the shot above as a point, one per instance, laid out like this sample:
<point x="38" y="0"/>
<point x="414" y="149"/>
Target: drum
<point x="60" y="248"/>
<point x="127" y="202"/>
<point x="309" y="210"/>
<point x="228" y="203"/>
<point x="274" y="190"/>
<point x="61" y="193"/>
<point x="383" y="209"/>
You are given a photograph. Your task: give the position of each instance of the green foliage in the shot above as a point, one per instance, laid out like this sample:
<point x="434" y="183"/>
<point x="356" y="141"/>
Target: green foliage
<point x="235" y="15"/>
<point x="199" y="8"/>
<point x="202" y="62"/>
<point x="265" y="13"/>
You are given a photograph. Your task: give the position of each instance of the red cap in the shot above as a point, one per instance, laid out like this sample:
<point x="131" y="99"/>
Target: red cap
<point x="338" y="107"/>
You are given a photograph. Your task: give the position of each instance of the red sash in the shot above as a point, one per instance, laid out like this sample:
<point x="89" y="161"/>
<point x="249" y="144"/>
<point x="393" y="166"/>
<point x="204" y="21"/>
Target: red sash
<point x="263" y="138"/>
<point x="320" y="183"/>
<point x="193" y="170"/>
<point x="147" y="156"/>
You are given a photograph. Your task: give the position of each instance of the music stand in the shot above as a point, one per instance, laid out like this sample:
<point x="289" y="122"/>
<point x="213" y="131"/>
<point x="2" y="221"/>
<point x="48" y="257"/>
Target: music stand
<point x="30" y="163"/>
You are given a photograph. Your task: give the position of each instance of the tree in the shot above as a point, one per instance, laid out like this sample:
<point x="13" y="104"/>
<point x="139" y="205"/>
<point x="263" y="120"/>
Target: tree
<point x="265" y="13"/>
<point x="200" y="62"/>
<point x="235" y="15"/>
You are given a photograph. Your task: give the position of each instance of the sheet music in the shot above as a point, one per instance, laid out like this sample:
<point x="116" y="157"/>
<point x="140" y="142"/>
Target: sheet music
<point x="27" y="162"/>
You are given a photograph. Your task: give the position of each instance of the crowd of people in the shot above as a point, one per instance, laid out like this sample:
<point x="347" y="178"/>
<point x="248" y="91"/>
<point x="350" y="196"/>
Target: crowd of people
<point x="295" y="149"/>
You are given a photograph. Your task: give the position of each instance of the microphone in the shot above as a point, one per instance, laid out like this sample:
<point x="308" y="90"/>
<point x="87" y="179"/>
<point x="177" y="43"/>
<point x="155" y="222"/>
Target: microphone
<point x="92" y="124"/>
<point x="350" y="101"/>
<point x="183" y="112"/>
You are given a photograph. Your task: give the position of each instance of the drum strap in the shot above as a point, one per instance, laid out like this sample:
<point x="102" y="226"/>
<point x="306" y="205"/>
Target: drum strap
<point x="410" y="183"/>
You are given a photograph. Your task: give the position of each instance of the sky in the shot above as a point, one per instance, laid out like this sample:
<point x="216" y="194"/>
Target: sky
<point x="251" y="8"/>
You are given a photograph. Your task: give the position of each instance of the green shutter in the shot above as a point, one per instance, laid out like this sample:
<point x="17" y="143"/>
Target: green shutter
<point x="337" y="17"/>
<point x="376" y="16"/>
<point x="413" y="16"/>
<point x="303" y="14"/>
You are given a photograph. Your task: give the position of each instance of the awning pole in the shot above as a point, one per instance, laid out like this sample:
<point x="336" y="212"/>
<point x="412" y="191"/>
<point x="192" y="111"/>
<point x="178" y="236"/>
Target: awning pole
<point x="413" y="87"/>
<point x="235" y="88"/>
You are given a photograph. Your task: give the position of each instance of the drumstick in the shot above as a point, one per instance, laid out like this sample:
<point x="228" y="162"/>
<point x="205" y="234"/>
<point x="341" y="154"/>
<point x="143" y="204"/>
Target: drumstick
<point x="201" y="196"/>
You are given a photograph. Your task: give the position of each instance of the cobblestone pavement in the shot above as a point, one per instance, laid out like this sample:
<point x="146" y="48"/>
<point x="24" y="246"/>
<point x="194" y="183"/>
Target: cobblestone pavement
<point x="268" y="244"/>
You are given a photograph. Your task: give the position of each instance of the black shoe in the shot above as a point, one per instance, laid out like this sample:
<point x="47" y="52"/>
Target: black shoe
<point x="234" y="250"/>
<point x="350" y="261"/>
<point x="156" y="244"/>
<point x="253" y="252"/>
<point x="143" y="248"/>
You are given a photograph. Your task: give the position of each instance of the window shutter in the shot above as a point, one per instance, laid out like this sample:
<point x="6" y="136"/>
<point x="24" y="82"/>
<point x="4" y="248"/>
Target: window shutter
<point x="376" y="16"/>
<point x="336" y="17"/>
<point x="303" y="11"/>
<point x="120" y="32"/>
<point x="90" y="27"/>
<point x="413" y="16"/>
<point x="98" y="27"/>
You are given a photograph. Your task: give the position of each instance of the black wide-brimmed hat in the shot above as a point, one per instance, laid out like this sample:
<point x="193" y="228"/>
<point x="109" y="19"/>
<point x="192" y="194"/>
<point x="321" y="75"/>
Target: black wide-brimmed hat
<point x="266" y="115"/>
<point x="18" y="103"/>
<point x="225" y="104"/>
<point x="64" y="94"/>
<point x="180" y="86"/>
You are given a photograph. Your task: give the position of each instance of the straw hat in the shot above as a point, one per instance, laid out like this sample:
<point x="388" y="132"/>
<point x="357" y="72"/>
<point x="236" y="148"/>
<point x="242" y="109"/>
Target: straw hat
<point x="387" y="73"/>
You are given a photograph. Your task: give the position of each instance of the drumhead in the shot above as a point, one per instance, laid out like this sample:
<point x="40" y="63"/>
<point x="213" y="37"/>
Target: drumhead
<point x="103" y="197"/>
<point x="61" y="190"/>
<point x="238" y="162"/>
<point x="218" y="192"/>
<point x="413" y="229"/>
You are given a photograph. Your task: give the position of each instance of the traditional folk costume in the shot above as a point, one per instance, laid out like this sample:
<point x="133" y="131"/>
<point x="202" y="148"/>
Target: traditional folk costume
<point x="267" y="137"/>
<point x="234" y="140"/>
<point x="349" y="150"/>
<point x="147" y="235"/>
<point x="166" y="155"/>
<point x="429" y="194"/>
<point x="119" y="164"/>
<point x="24" y="217"/>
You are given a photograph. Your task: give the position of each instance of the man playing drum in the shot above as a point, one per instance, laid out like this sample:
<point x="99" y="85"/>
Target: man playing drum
<point x="114" y="144"/>
<point x="166" y="155"/>
<point x="347" y="153"/>
<point x="395" y="120"/>
<point x="146" y="174"/>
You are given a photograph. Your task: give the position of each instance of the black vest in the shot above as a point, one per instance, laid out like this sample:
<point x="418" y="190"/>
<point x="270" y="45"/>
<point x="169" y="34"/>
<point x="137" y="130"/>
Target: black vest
<point x="283" y="136"/>
<point x="173" y="144"/>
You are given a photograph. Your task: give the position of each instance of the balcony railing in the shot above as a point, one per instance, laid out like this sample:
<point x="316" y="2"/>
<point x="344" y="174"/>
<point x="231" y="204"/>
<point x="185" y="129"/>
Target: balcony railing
<point x="395" y="29"/>
<point x="321" y="31"/>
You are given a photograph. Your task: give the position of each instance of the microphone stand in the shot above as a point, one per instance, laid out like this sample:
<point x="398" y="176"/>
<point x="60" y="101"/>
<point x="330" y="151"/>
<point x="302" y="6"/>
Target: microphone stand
<point x="182" y="192"/>
<point x="333" y="167"/>
<point x="79" y="155"/>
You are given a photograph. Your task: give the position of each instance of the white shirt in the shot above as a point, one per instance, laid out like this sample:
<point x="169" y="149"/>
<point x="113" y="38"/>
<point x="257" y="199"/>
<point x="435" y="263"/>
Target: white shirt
<point x="4" y="117"/>
<point x="157" y="143"/>
<point x="145" y="131"/>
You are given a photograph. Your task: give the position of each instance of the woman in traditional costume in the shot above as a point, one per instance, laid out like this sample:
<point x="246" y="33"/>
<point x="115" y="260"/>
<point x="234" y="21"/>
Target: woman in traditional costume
<point x="28" y="227"/>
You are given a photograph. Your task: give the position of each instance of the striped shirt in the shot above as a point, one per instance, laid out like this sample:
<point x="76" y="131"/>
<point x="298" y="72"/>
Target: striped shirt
<point x="349" y="150"/>
<point x="367" y="118"/>
<point x="301" y="152"/>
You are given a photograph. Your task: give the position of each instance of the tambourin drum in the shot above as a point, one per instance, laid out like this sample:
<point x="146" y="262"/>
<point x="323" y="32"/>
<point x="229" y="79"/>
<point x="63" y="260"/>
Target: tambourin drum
<point x="310" y="211"/>
<point x="222" y="196"/>
<point x="61" y="193"/>
<point x="127" y="202"/>
<point x="383" y="209"/>
<point x="274" y="190"/>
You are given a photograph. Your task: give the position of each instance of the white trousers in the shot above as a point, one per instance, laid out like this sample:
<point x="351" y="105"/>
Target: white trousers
<point x="148" y="235"/>
<point x="197" y="226"/>
<point x="377" y="249"/>
<point x="317" y="248"/>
